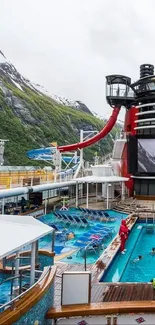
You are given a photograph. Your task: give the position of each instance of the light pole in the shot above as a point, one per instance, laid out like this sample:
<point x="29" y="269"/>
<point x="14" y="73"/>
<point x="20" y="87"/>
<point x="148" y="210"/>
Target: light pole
<point x="108" y="185"/>
<point x="87" y="200"/>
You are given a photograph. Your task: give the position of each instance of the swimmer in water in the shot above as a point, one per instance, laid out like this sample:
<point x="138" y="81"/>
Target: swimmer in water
<point x="139" y="258"/>
<point x="152" y="251"/>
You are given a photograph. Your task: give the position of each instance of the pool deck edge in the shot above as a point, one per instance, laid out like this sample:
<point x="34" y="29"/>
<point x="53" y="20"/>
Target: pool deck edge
<point x="102" y="308"/>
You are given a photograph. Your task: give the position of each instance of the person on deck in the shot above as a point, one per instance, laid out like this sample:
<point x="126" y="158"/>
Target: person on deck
<point x="23" y="204"/>
<point x="123" y="233"/>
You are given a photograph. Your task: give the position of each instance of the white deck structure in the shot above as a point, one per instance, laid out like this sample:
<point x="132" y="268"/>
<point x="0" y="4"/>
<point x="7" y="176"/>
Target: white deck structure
<point x="17" y="232"/>
<point x="97" y="178"/>
<point x="107" y="181"/>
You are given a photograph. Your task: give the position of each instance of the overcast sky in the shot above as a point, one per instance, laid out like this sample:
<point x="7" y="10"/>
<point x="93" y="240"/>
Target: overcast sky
<point x="69" y="46"/>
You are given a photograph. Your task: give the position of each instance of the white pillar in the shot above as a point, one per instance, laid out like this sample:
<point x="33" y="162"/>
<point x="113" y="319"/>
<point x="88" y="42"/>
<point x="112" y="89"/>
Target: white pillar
<point x="37" y="251"/>
<point x="87" y="200"/>
<point x="81" y="150"/>
<point x="59" y="159"/>
<point x="76" y="194"/>
<point x="3" y="203"/>
<point x="123" y="191"/>
<point x="33" y="258"/>
<point x="16" y="201"/>
<point x="45" y="206"/>
<point x="16" y="281"/>
<point x="108" y="188"/>
<point x="107" y="195"/>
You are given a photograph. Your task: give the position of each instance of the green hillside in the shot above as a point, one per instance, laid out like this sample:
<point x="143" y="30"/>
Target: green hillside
<point x="30" y="120"/>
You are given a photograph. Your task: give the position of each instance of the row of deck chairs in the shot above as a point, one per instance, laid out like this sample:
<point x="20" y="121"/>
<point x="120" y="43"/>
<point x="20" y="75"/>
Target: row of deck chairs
<point x="96" y="213"/>
<point x="103" y="233"/>
<point x="71" y="220"/>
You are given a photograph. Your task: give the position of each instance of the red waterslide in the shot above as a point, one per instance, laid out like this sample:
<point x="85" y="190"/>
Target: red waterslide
<point x="107" y="128"/>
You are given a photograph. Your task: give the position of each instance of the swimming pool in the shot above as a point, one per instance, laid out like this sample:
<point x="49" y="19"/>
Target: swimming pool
<point x="4" y="288"/>
<point x="123" y="268"/>
<point x="61" y="247"/>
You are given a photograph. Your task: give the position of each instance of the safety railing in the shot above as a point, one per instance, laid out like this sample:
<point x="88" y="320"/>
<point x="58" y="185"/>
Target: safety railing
<point x="11" y="303"/>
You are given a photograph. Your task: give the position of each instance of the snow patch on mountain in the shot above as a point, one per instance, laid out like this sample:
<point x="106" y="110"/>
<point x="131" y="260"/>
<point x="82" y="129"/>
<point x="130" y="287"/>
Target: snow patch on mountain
<point x="58" y="99"/>
<point x="20" y="82"/>
<point x="17" y="85"/>
<point x="2" y="57"/>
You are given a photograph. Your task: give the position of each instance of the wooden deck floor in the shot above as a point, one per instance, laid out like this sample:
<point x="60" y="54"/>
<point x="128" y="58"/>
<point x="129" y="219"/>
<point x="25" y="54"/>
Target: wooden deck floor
<point x="122" y="292"/>
<point x="63" y="267"/>
<point x="105" y="293"/>
<point x="129" y="292"/>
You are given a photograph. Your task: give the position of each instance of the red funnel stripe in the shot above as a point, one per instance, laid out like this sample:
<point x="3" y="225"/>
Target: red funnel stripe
<point x="107" y="128"/>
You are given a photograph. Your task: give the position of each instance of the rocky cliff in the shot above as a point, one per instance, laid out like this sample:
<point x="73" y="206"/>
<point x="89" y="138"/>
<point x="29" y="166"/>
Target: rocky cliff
<point x="31" y="118"/>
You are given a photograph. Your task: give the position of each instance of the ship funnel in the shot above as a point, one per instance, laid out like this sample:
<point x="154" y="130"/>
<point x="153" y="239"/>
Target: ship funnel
<point x="146" y="70"/>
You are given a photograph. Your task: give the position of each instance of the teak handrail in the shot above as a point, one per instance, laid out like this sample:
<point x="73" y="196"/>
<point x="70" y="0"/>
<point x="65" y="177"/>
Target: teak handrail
<point x="103" y="308"/>
<point x="29" y="299"/>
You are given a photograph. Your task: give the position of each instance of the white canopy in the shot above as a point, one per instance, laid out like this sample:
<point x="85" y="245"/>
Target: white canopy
<point x="18" y="231"/>
<point x="100" y="179"/>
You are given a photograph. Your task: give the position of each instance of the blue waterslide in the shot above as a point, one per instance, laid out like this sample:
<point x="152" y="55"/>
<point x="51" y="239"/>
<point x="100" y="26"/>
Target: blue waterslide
<point x="47" y="154"/>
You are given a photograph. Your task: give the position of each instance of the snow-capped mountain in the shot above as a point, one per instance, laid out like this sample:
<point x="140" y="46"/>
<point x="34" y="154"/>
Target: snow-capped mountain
<point x="146" y="160"/>
<point x="29" y="121"/>
<point x="8" y="70"/>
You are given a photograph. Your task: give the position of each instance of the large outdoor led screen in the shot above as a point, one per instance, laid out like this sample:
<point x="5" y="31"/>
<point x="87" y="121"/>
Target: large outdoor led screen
<point x="146" y="155"/>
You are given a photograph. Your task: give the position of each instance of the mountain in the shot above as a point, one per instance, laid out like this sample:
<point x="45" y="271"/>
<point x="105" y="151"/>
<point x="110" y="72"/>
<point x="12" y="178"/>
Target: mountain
<point x="146" y="161"/>
<point x="12" y="75"/>
<point x="32" y="118"/>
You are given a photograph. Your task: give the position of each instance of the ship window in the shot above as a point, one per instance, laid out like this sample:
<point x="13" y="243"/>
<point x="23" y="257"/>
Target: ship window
<point x="137" y="187"/>
<point x="151" y="187"/>
<point x="144" y="187"/>
<point x="152" y="131"/>
<point x="147" y="131"/>
<point x="151" y="86"/>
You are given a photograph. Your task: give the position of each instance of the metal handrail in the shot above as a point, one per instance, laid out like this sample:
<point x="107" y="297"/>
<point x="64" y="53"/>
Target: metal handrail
<point x="9" y="279"/>
<point x="133" y="202"/>
<point x="26" y="291"/>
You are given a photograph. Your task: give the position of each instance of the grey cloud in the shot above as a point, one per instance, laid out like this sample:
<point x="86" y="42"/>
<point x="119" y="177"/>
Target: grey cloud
<point x="70" y="45"/>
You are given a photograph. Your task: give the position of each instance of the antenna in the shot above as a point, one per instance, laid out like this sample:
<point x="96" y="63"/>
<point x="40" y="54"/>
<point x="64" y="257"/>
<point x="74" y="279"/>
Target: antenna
<point x="2" y="145"/>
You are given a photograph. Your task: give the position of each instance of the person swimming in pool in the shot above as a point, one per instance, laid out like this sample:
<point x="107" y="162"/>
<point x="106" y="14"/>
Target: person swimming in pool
<point x="152" y="251"/>
<point x="139" y="258"/>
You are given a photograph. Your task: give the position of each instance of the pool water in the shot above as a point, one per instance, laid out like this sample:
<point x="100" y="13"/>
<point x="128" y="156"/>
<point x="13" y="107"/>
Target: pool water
<point x="45" y="243"/>
<point x="124" y="269"/>
<point x="4" y="288"/>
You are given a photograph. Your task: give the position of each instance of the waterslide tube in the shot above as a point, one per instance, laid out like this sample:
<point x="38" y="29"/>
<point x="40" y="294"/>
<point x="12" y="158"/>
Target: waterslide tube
<point x="107" y="128"/>
<point x="47" y="154"/>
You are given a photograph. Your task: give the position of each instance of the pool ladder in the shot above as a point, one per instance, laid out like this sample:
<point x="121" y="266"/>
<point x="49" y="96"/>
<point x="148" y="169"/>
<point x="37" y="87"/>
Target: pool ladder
<point x="150" y="227"/>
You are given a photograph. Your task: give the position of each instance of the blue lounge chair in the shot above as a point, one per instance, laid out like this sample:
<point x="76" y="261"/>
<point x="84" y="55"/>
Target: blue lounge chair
<point x="85" y="222"/>
<point x="72" y="220"/>
<point x="78" y="221"/>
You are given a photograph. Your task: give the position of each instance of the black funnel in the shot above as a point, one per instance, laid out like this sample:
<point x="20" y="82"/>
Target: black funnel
<point x="146" y="70"/>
